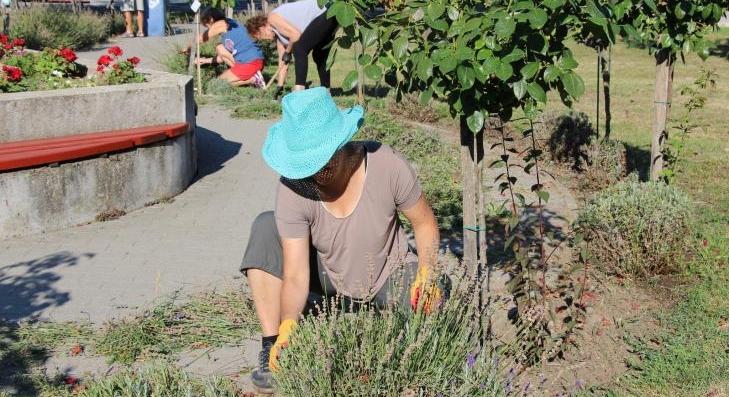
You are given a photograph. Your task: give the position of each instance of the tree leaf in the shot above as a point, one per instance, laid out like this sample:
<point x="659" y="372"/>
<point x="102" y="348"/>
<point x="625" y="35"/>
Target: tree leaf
<point x="344" y="12"/>
<point x="453" y="13"/>
<point x="425" y="69"/>
<point x="567" y="61"/>
<point x="504" y="71"/>
<point x="544" y="195"/>
<point x="573" y="84"/>
<point x="520" y="89"/>
<point x="466" y="76"/>
<point x="350" y="81"/>
<point x="435" y="10"/>
<point x="537" y="92"/>
<point x="537" y="18"/>
<point x="551" y="74"/>
<point x="475" y="121"/>
<point x="400" y="47"/>
<point x="364" y="59"/>
<point x="529" y="70"/>
<point x="438" y="24"/>
<point x="505" y="27"/>
<point x="368" y="36"/>
<point x="373" y="71"/>
<point x="446" y="61"/>
<point x="426" y="96"/>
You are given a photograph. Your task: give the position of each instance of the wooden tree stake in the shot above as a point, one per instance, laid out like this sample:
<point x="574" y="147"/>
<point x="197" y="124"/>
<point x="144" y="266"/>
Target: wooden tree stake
<point x="197" y="52"/>
<point x="664" y="84"/>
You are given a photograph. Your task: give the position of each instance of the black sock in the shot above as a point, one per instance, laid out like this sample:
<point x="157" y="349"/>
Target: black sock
<point x="268" y="340"/>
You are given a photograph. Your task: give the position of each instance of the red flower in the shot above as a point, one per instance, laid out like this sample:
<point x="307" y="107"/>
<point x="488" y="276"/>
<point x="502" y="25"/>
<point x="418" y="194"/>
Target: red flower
<point x="19" y="42"/>
<point x="4" y="38"/>
<point x="100" y="68"/>
<point x="8" y="46"/>
<point x="67" y="54"/>
<point x="12" y="73"/>
<point x="116" y="51"/>
<point x="134" y="61"/>
<point x="104" y="60"/>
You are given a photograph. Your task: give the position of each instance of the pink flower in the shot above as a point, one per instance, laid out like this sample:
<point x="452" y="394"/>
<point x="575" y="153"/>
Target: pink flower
<point x="116" y="51"/>
<point x="104" y="60"/>
<point x="12" y="73"/>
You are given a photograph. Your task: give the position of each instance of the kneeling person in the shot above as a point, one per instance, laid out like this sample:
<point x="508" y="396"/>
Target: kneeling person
<point x="236" y="49"/>
<point x="335" y="222"/>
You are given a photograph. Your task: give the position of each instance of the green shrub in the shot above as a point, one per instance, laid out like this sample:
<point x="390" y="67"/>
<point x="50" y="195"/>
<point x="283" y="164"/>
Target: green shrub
<point x="606" y="165"/>
<point x="639" y="229"/>
<point x="158" y="380"/>
<point x="393" y="352"/>
<point x="48" y="26"/>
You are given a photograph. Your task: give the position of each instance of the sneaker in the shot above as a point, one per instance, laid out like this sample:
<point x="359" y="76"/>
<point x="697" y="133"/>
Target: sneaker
<point x="258" y="80"/>
<point x="261" y="376"/>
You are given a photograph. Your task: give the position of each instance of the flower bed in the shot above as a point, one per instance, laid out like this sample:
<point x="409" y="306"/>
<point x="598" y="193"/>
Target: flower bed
<point x="24" y="70"/>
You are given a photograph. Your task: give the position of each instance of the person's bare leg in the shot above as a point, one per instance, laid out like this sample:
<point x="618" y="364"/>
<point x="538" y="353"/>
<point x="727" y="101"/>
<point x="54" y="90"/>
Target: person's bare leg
<point x="224" y="56"/>
<point x="140" y="23"/>
<point x="266" y="291"/>
<point x="233" y="80"/>
<point x="128" y="22"/>
<point x="298" y="88"/>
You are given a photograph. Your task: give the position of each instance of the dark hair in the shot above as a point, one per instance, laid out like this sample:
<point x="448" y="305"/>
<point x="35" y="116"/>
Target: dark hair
<point x="212" y="13"/>
<point x="254" y="24"/>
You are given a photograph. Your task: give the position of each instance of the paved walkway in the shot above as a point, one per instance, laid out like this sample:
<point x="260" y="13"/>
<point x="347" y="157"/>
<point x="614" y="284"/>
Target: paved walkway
<point x="104" y="270"/>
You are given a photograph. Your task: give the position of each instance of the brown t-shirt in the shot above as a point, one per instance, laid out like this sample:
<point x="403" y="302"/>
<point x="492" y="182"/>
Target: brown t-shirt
<point x="359" y="251"/>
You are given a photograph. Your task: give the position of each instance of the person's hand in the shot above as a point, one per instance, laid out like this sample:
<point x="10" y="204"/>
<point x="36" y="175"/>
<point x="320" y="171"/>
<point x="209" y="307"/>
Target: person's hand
<point x="426" y="289"/>
<point x="286" y="58"/>
<point x="279" y="91"/>
<point x="203" y="61"/>
<point x="185" y="51"/>
<point x="282" y="342"/>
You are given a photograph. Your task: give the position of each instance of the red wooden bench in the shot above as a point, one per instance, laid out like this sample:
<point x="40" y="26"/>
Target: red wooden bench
<point x="38" y="152"/>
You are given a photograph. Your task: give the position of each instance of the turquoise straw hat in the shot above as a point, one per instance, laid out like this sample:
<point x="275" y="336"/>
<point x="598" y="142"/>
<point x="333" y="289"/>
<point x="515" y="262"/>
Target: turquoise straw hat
<point x="311" y="129"/>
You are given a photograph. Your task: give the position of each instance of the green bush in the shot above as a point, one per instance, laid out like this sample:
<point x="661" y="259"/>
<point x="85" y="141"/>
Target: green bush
<point x="393" y="352"/>
<point x="639" y="229"/>
<point x="48" y="26"/>
<point x="157" y="380"/>
<point x="606" y="165"/>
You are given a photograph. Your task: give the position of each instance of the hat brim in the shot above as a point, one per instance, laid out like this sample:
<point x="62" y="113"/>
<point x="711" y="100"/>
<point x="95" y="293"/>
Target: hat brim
<point x="299" y="165"/>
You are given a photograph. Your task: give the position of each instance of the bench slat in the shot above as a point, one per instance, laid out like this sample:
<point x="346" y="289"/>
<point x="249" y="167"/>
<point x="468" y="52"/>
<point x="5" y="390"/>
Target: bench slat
<point x="24" y="154"/>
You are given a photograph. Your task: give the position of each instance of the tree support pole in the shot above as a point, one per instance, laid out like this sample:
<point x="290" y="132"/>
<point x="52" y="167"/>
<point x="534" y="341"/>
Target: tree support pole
<point x="664" y="84"/>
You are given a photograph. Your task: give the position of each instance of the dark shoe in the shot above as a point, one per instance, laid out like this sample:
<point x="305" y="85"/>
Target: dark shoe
<point x="261" y="376"/>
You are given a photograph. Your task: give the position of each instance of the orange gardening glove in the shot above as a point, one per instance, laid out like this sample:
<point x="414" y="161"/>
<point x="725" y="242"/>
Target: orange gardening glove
<point x="425" y="288"/>
<point x="282" y="342"/>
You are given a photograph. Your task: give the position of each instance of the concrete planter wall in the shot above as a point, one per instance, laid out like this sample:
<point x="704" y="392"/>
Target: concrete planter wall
<point x="52" y="197"/>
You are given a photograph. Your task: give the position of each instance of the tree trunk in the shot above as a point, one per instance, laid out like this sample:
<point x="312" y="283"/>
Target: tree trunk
<point x="664" y="83"/>
<point x="469" y="166"/>
<point x="607" y="63"/>
<point x="229" y="12"/>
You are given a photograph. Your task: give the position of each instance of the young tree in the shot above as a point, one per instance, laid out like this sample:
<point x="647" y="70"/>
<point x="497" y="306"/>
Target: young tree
<point x="485" y="60"/>
<point x="669" y="29"/>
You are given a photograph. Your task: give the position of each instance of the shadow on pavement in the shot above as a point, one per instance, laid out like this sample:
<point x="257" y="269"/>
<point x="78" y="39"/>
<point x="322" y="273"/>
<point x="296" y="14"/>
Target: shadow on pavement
<point x="212" y="152"/>
<point x="27" y="288"/>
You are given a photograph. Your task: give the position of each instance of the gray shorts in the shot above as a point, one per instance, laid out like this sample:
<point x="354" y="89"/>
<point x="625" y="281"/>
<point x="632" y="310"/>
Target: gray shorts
<point x="132" y="5"/>
<point x="264" y="252"/>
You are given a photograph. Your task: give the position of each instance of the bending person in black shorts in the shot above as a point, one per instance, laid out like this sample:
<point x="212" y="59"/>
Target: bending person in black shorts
<point x="299" y="28"/>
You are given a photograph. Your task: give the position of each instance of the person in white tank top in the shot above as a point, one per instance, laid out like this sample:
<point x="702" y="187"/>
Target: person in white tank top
<point x="299" y="28"/>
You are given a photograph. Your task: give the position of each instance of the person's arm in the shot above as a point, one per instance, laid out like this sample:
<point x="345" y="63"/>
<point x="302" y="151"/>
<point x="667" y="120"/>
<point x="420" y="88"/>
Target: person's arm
<point x="427" y="236"/>
<point x="218" y="28"/>
<point x="283" y="67"/>
<point x="295" y="286"/>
